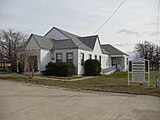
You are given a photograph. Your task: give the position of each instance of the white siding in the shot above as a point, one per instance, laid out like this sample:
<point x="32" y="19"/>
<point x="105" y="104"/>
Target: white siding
<point x="32" y="44"/>
<point x="55" y="34"/>
<point x="97" y="51"/>
<point x="45" y="58"/>
<point x="64" y="53"/>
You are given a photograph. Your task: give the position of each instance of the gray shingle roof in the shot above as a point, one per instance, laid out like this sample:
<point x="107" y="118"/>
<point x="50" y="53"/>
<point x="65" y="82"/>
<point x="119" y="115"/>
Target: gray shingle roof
<point x="64" y="44"/>
<point x="43" y="42"/>
<point x="104" y="51"/>
<point x="75" y="39"/>
<point x="112" y="50"/>
<point x="89" y="40"/>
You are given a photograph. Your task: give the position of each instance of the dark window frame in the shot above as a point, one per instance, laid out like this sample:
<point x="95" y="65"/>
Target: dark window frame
<point x="57" y="59"/>
<point x="68" y="60"/>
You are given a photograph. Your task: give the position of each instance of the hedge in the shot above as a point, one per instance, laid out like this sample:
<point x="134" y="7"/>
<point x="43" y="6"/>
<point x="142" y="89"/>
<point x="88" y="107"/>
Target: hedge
<point x="92" y="67"/>
<point x="59" y="69"/>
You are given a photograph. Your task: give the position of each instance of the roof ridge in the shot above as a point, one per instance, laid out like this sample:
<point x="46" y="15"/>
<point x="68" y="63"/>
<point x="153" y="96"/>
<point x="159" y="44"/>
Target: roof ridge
<point x="36" y="40"/>
<point x="89" y="36"/>
<point x="42" y="36"/>
<point x="63" y="31"/>
<point x="104" y="44"/>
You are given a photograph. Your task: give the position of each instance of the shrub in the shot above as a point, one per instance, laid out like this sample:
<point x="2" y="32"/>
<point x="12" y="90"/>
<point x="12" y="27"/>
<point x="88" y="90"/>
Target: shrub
<point x="59" y="69"/>
<point x="49" y="69"/>
<point x="92" y="67"/>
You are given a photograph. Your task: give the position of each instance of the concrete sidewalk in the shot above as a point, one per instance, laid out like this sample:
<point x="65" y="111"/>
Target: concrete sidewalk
<point x="65" y="79"/>
<point x="20" y="101"/>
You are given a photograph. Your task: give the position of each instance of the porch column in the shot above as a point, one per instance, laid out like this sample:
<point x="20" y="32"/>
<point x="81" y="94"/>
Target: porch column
<point x="123" y="64"/>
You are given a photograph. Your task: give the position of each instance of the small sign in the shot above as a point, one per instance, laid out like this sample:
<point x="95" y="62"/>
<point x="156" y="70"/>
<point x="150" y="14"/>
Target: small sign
<point x="138" y="71"/>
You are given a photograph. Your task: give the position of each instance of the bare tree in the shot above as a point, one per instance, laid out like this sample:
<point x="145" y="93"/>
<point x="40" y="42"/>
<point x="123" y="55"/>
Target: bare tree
<point x="27" y="61"/>
<point x="149" y="51"/>
<point x="9" y="42"/>
<point x="157" y="57"/>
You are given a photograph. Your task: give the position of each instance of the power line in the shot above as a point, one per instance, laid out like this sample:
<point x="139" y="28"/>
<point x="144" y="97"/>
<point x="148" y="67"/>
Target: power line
<point x="110" y="17"/>
<point x="158" y="20"/>
<point x="105" y="21"/>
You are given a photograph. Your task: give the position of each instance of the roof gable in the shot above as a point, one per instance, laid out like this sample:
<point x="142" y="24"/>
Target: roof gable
<point x="75" y="40"/>
<point x="43" y="43"/>
<point x="54" y="33"/>
<point x="89" y="41"/>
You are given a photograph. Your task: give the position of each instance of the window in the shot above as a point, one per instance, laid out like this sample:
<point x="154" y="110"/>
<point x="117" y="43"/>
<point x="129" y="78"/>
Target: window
<point x="95" y="57"/>
<point x="82" y="58"/>
<point x="69" y="57"/>
<point x="58" y="57"/>
<point x="100" y="59"/>
<point x="90" y="56"/>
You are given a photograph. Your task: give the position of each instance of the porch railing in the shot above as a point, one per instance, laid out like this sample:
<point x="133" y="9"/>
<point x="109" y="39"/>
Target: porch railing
<point x="109" y="70"/>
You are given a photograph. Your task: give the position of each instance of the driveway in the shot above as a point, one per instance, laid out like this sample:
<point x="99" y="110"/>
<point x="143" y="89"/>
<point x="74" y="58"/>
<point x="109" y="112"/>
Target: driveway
<point x="20" y="101"/>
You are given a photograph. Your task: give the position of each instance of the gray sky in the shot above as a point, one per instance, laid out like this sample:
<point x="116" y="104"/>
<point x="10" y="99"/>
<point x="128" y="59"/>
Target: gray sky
<point x="134" y="22"/>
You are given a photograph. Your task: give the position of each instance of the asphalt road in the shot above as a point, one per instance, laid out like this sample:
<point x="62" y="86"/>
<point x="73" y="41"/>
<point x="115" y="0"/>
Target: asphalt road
<point x="20" y="101"/>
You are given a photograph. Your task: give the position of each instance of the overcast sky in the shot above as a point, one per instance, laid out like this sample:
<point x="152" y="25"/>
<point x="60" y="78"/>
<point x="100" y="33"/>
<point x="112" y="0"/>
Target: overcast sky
<point x="134" y="22"/>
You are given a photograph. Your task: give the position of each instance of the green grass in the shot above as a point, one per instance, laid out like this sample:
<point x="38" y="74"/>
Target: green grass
<point x="117" y="82"/>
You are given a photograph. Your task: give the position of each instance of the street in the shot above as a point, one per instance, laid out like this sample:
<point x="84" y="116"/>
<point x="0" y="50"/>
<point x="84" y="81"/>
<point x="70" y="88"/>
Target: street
<point x="22" y="101"/>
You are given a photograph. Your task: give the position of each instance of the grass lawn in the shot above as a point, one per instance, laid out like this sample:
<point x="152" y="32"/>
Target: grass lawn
<point x="117" y="82"/>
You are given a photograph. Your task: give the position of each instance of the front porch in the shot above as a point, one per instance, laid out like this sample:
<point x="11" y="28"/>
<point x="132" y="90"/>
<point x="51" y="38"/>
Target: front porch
<point x="118" y="62"/>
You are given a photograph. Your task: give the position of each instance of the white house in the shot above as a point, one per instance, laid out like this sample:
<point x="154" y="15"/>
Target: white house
<point x="61" y="46"/>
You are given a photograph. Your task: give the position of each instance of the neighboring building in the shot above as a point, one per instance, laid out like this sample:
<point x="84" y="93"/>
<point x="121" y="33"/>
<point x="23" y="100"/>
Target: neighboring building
<point x="61" y="46"/>
<point x="5" y="64"/>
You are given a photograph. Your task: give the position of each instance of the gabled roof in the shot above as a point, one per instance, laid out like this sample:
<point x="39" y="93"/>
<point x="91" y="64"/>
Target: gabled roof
<point x="64" y="44"/>
<point x="89" y="41"/>
<point x="74" y="39"/>
<point x="104" y="51"/>
<point x="44" y="43"/>
<point x="112" y="50"/>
